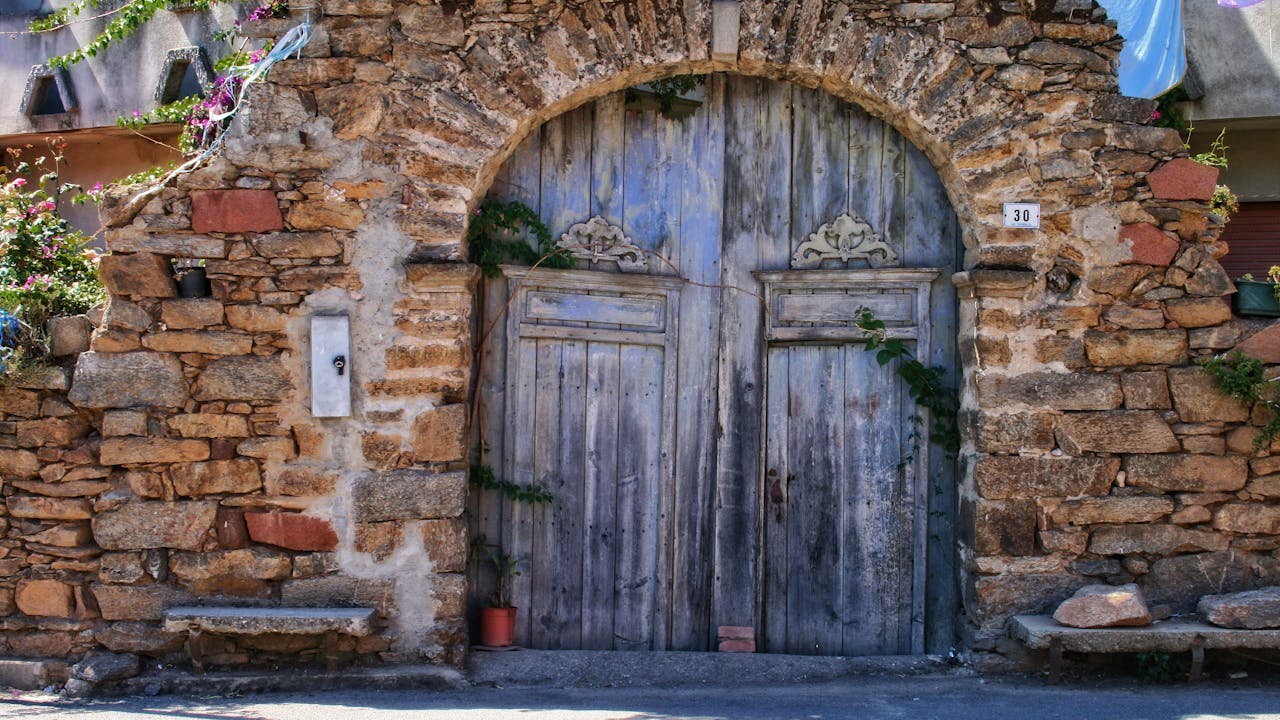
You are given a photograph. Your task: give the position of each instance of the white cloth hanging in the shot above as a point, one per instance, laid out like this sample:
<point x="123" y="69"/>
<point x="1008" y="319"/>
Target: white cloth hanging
<point x="1154" y="58"/>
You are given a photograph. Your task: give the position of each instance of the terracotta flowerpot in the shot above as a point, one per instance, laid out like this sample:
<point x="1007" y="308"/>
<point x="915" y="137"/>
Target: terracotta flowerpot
<point x="497" y="626"/>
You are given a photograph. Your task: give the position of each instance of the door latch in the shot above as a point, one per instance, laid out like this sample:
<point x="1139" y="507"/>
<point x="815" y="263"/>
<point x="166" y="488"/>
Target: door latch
<point x="340" y="362"/>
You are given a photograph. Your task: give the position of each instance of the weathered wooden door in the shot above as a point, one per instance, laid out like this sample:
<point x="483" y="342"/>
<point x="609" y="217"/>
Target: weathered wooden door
<point x="653" y="397"/>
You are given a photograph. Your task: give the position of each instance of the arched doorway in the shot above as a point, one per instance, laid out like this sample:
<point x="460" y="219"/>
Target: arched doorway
<point x="721" y="449"/>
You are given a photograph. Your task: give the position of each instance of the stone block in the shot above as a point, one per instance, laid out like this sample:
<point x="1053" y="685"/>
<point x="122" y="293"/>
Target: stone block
<point x="235" y="211"/>
<point x="135" y="637"/>
<point x="407" y="495"/>
<point x="47" y="508"/>
<point x="134" y="240"/>
<point x="1148" y="244"/>
<point x="124" y="315"/>
<point x="45" y="598"/>
<point x="1187" y="473"/>
<point x="1181" y="581"/>
<point x="1001" y="478"/>
<point x="1088" y="511"/>
<point x="1096" y="606"/>
<point x="325" y="213"/>
<point x="446" y="544"/>
<point x="120" y="567"/>
<point x="1250" y="610"/>
<point x="130" y="450"/>
<point x="292" y="531"/>
<point x="119" y="380"/>
<point x="380" y="539"/>
<point x="105" y="667"/>
<point x="1004" y="527"/>
<point x="16" y="463"/>
<point x="193" y="341"/>
<point x="1153" y="539"/>
<point x="270" y="449"/>
<point x="1146" y="390"/>
<point x="68" y="335"/>
<point x="244" y="564"/>
<point x="339" y="591"/>
<point x="137" y="525"/>
<point x="191" y="313"/>
<point x="1136" y="347"/>
<point x="1059" y="391"/>
<point x="244" y="378"/>
<point x="255" y="318"/>
<point x="1001" y="596"/>
<point x="1263" y="345"/>
<point x="1198" y="399"/>
<point x="1116" y="281"/>
<point x="19" y="401"/>
<point x="1014" y="432"/>
<point x="137" y="602"/>
<point x="1183" y="179"/>
<point x="1120" y="431"/>
<point x="440" y="434"/>
<point x="1009" y="31"/>
<point x="1134" y="318"/>
<point x="300" y="480"/>
<point x="298" y="245"/>
<point x="1248" y="518"/>
<point x="1198" y="312"/>
<point x="216" y="476"/>
<point x="138" y="275"/>
<point x="457" y="278"/>
<point x="209" y="425"/>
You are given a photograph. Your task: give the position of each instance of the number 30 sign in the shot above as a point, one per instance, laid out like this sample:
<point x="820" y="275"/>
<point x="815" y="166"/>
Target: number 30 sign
<point x="1022" y="215"/>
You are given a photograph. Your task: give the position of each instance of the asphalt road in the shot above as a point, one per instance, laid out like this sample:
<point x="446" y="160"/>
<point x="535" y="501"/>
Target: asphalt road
<point x="863" y="698"/>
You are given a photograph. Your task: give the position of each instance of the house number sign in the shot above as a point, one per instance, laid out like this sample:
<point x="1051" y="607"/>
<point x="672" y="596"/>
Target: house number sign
<point x="1022" y="215"/>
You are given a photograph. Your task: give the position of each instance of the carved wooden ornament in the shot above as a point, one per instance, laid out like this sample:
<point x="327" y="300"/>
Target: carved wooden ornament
<point x="597" y="241"/>
<point x="845" y="238"/>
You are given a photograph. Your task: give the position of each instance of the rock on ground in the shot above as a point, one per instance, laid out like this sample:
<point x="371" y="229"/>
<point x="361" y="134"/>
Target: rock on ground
<point x="1252" y="609"/>
<point x="1095" y="606"/>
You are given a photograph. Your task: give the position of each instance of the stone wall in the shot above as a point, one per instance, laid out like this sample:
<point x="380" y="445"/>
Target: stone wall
<point x="1094" y="449"/>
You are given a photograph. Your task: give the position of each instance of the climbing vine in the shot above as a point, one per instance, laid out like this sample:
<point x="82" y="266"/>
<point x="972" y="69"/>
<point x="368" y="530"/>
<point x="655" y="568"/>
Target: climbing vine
<point x="511" y="232"/>
<point x="925" y="384"/>
<point x="1244" y="378"/>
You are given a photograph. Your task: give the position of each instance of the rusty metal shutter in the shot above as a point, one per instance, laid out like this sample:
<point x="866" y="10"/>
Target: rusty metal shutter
<point x="1253" y="237"/>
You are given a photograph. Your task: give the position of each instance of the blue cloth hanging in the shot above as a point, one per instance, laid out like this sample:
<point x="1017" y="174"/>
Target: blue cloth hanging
<point x="1154" y="58"/>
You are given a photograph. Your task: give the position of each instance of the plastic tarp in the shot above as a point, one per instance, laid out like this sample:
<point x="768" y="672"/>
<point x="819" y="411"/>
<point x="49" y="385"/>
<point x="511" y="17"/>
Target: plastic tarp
<point x="1154" y="58"/>
<point x="1237" y="3"/>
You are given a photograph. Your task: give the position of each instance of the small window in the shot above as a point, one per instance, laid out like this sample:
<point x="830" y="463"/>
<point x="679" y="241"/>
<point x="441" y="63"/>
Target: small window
<point x="186" y="73"/>
<point x="48" y="92"/>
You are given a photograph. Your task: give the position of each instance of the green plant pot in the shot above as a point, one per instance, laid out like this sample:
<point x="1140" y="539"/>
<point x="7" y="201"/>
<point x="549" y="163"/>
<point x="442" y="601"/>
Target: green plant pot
<point x="1256" y="298"/>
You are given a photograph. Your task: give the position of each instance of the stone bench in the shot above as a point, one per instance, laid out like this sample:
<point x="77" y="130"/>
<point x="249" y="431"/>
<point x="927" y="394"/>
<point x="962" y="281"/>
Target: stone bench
<point x="1042" y="632"/>
<point x="331" y="622"/>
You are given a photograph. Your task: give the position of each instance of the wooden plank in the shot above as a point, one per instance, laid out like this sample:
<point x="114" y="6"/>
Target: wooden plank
<point x="599" y="494"/>
<point x="699" y="262"/>
<point x="607" y="158"/>
<point x="640" y="312"/>
<point x="545" y="428"/>
<point x="815" y="448"/>
<point x="622" y="337"/>
<point x="820" y="161"/>
<point x="775" y="552"/>
<point x="639" y="467"/>
<point x="866" y="182"/>
<point x="651" y="187"/>
<point x="562" y="620"/>
<point x="518" y="518"/>
<point x="830" y="309"/>
<point x="566" y="170"/>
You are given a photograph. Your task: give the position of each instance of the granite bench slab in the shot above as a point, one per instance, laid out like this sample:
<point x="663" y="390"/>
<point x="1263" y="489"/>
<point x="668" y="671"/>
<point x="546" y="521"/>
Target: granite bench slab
<point x="262" y="621"/>
<point x="1039" y="631"/>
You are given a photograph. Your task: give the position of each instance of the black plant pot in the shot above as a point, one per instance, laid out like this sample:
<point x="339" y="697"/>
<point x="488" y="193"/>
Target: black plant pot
<point x="193" y="283"/>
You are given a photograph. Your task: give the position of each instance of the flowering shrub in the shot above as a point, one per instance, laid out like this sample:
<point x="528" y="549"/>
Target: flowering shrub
<point x="45" y="267"/>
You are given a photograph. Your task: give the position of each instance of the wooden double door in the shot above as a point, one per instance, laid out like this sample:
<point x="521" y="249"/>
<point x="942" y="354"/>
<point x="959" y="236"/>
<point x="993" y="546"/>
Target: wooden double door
<point x="721" y="449"/>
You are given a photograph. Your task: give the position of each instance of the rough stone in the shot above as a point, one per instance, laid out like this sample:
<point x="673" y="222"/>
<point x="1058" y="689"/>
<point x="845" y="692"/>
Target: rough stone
<point x="134" y="637"/>
<point x="1198" y="399"/>
<point x="130" y="450"/>
<point x="1004" y="527"/>
<point x="45" y="508"/>
<point x="298" y="245"/>
<point x="1132" y="431"/>
<point x="1088" y="511"/>
<point x="1187" y="473"/>
<point x="68" y="335"/>
<point x="19" y="463"/>
<point x="188" y="341"/>
<point x="1181" y="581"/>
<point x="1136" y="347"/>
<point x="244" y="378"/>
<point x="1148" y="244"/>
<point x="190" y="313"/>
<point x="235" y="211"/>
<point x="1095" y="606"/>
<point x="445" y="541"/>
<point x="209" y="425"/>
<point x="216" y="476"/>
<point x="339" y="590"/>
<point x="301" y="481"/>
<point x="1059" y="391"/>
<point x="45" y="598"/>
<point x="439" y="434"/>
<point x="1146" y="390"/>
<point x="1000" y="478"/>
<point x="105" y="667"/>
<point x="255" y="318"/>
<point x="244" y="564"/>
<point x="1263" y="345"/>
<point x="111" y="380"/>
<point x="1154" y="539"/>
<point x="1198" y="312"/>
<point x="407" y="495"/>
<point x="138" y="275"/>
<point x="137" y="602"/>
<point x="1209" y="280"/>
<point x="292" y="531"/>
<point x="124" y="315"/>
<point x="143" y="524"/>
<point x="1134" y="318"/>
<point x="1183" y="179"/>
<point x="999" y="597"/>
<point x="1248" y="518"/>
<point x="271" y="449"/>
<point x="1251" y="609"/>
<point x="1014" y="432"/>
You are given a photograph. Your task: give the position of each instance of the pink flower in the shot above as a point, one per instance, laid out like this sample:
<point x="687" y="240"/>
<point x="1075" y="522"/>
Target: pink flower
<point x="19" y="182"/>
<point x="1155" y="115"/>
<point x="97" y="187"/>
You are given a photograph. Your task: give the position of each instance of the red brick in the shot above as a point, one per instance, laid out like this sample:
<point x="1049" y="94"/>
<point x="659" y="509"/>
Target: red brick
<point x="235" y="211"/>
<point x="1183" y="179"/>
<point x="736" y="632"/>
<point x="292" y="531"/>
<point x="1149" y="244"/>
<point x="737" y="646"/>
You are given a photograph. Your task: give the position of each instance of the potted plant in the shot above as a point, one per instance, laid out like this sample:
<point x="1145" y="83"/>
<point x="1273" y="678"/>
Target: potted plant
<point x="1254" y="297"/>
<point x="190" y="274"/>
<point x="498" y="620"/>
